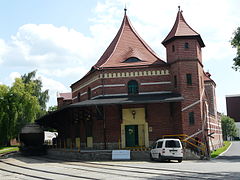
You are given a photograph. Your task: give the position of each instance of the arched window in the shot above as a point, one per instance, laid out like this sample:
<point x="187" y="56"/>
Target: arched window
<point x="89" y="93"/>
<point x="132" y="87"/>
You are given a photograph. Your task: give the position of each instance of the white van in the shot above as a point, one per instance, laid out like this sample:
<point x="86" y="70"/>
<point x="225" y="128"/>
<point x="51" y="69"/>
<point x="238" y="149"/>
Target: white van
<point x="167" y="149"/>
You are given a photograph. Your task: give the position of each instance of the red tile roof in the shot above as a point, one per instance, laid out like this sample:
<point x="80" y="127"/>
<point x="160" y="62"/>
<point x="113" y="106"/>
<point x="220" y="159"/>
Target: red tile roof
<point x="127" y="43"/>
<point x="65" y="96"/>
<point x="207" y="77"/>
<point x="182" y="29"/>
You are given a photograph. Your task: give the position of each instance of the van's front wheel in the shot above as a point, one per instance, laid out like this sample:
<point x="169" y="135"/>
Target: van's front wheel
<point x="160" y="157"/>
<point x="180" y="160"/>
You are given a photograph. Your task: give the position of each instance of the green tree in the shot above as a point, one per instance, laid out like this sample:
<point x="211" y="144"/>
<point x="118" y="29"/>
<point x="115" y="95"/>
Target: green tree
<point x="229" y="128"/>
<point x="235" y="42"/>
<point x="17" y="108"/>
<point x="30" y="79"/>
<point x="52" y="108"/>
<point x="3" y="113"/>
<point x="25" y="106"/>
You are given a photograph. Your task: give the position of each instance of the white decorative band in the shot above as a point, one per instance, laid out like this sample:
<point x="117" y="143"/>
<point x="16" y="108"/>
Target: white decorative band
<point x="123" y="75"/>
<point x="124" y="94"/>
<point x="214" y="129"/>
<point x="83" y="93"/>
<point x="74" y="98"/>
<point x="96" y="87"/>
<point x="215" y="124"/>
<point x="191" y="105"/>
<point x="114" y="85"/>
<point x="155" y="83"/>
<point x="158" y="92"/>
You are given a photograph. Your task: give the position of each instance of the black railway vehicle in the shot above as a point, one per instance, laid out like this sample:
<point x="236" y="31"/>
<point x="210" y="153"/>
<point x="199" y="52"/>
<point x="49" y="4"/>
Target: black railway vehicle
<point x="32" y="140"/>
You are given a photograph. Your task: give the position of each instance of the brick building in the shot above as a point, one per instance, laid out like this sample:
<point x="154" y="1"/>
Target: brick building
<point x="233" y="110"/>
<point x="131" y="97"/>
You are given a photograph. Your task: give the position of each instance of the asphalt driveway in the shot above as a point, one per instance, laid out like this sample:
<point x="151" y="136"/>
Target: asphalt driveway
<point x="232" y="154"/>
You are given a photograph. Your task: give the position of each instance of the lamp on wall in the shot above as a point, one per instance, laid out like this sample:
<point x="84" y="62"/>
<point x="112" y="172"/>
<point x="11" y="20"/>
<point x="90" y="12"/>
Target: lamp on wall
<point x="133" y="113"/>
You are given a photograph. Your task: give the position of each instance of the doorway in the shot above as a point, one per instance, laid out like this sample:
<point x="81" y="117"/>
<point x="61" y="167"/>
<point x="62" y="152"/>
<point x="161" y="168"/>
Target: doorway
<point x="131" y="135"/>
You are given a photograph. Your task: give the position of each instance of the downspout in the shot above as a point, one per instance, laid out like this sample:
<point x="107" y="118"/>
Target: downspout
<point x="104" y="128"/>
<point x="102" y="79"/>
<point x="205" y="129"/>
<point x="104" y="114"/>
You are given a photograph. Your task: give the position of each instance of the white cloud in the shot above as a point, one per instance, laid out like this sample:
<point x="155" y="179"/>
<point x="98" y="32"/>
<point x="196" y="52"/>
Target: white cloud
<point x="14" y="75"/>
<point x="74" y="71"/>
<point x="52" y="84"/>
<point x="45" y="45"/>
<point x="54" y="87"/>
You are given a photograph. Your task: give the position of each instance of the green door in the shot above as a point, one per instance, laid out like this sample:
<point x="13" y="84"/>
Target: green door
<point x="131" y="132"/>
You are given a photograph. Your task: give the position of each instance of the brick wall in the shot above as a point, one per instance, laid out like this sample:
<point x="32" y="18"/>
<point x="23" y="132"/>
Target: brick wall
<point x="109" y="82"/>
<point x="191" y="53"/>
<point x="187" y="61"/>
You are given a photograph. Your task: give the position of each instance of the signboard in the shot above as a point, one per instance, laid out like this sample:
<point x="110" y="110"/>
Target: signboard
<point x="120" y="154"/>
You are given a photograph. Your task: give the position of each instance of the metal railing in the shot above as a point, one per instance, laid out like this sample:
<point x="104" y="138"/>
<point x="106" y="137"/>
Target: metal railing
<point x="192" y="142"/>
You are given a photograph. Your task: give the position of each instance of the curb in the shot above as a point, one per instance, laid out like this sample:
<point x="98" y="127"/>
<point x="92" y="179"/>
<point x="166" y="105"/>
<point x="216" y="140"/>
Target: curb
<point x="224" y="151"/>
<point x="7" y="153"/>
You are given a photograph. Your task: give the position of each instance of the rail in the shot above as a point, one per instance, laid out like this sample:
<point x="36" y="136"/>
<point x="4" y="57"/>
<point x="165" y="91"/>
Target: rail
<point x="196" y="144"/>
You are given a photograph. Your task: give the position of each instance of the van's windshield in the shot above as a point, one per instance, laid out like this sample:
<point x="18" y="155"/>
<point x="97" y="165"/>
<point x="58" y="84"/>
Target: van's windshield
<point x="172" y="144"/>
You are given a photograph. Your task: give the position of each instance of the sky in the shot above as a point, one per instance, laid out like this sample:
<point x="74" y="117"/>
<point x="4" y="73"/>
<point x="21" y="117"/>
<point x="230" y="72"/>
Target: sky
<point x="63" y="39"/>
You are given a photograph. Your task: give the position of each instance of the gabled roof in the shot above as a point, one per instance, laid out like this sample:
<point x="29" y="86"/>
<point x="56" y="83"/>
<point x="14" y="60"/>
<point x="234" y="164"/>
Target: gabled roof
<point x="207" y="78"/>
<point x="181" y="29"/>
<point x="127" y="44"/>
<point x="65" y="96"/>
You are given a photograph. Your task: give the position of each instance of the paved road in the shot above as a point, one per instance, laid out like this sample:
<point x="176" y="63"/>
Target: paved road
<point x="232" y="154"/>
<point x="18" y="167"/>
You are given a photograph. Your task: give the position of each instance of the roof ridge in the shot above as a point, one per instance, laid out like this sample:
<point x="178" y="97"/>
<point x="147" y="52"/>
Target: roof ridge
<point x="144" y="43"/>
<point x="126" y="37"/>
<point x="182" y="29"/>
<point x="181" y="16"/>
<point x="121" y="28"/>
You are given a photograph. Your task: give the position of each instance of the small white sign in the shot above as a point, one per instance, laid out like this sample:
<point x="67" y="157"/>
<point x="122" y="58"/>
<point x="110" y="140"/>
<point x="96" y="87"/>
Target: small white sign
<point x="120" y="154"/>
<point x="150" y="129"/>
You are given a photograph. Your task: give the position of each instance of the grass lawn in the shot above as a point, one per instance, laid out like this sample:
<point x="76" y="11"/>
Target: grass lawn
<point x="220" y="150"/>
<point x="8" y="149"/>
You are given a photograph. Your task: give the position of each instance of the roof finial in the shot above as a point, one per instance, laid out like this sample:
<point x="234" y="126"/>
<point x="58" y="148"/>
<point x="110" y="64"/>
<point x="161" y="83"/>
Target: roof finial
<point x="179" y="8"/>
<point x="125" y="9"/>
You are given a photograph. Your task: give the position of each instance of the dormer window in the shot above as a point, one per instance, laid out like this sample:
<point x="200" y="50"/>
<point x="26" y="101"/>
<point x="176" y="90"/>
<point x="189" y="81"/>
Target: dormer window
<point x="131" y="60"/>
<point x="186" y="45"/>
<point x="132" y="87"/>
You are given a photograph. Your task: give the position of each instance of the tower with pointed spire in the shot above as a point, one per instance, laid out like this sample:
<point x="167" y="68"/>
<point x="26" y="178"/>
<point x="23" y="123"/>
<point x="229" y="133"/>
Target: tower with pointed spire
<point x="184" y="55"/>
<point x="183" y="42"/>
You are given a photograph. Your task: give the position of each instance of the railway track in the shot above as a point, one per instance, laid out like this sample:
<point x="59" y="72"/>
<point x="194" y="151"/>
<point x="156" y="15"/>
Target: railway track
<point x="45" y="168"/>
